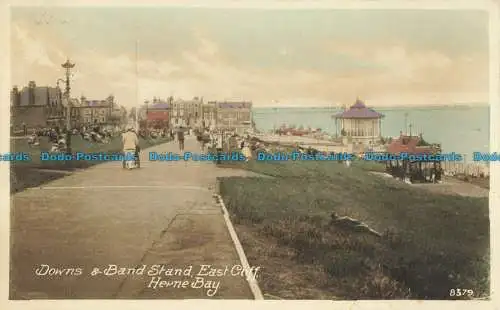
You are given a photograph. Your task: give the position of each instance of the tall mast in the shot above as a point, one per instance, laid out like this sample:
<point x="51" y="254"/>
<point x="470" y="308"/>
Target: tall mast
<point x="137" y="83"/>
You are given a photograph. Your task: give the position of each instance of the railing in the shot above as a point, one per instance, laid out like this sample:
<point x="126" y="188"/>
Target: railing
<point x="468" y="169"/>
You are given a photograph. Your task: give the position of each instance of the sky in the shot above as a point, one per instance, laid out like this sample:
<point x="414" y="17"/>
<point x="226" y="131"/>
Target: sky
<point x="314" y="57"/>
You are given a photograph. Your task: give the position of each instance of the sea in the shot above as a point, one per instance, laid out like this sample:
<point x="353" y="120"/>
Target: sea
<point x="461" y="129"/>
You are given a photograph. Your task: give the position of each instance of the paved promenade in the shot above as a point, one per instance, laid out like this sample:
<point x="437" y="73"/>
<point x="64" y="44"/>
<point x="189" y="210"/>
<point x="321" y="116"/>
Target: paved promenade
<point x="163" y="213"/>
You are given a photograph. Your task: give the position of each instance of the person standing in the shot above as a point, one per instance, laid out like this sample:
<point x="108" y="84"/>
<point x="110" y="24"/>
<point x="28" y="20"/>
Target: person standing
<point x="180" y="138"/>
<point x="245" y="149"/>
<point x="219" y="145"/>
<point x="25" y="129"/>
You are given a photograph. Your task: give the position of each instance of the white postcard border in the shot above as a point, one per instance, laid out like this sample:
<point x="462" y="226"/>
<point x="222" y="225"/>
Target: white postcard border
<point x="5" y="85"/>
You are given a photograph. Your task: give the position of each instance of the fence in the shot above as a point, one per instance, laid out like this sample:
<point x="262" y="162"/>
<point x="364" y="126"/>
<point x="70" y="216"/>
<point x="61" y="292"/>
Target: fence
<point x="474" y="169"/>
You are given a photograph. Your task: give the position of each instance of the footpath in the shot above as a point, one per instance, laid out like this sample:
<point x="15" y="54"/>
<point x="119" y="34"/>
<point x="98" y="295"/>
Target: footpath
<point x="161" y="214"/>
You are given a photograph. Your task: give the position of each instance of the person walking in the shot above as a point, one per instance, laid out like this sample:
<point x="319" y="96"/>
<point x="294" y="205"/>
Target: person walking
<point x="205" y="138"/>
<point x="199" y="137"/>
<point x="180" y="138"/>
<point x="130" y="145"/>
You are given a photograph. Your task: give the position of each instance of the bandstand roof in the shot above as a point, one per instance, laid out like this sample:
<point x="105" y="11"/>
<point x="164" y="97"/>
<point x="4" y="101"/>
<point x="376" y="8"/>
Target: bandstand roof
<point x="409" y="144"/>
<point x="359" y="110"/>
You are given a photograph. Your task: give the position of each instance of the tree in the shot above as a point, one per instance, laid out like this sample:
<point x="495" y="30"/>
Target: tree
<point x="115" y="118"/>
<point x="132" y="114"/>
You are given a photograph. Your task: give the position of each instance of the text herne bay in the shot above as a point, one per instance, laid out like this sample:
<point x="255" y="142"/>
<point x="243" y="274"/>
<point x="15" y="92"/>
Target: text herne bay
<point x="199" y="277"/>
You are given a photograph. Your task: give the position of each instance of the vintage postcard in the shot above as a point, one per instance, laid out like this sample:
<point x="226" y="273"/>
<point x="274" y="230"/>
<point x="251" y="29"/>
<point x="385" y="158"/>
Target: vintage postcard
<point x="273" y="151"/>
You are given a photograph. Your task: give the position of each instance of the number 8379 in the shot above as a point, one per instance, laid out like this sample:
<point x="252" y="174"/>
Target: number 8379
<point x="461" y="292"/>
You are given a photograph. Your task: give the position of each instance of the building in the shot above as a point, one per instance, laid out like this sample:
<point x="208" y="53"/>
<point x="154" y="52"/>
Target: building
<point x="56" y="111"/>
<point x="76" y="117"/>
<point x="155" y="113"/>
<point x="416" y="170"/>
<point x="95" y="112"/>
<point x="37" y="106"/>
<point x="118" y="115"/>
<point x="196" y="113"/>
<point x="158" y="114"/>
<point x="187" y="112"/>
<point x="359" y="124"/>
<point x="233" y="115"/>
<point x="209" y="114"/>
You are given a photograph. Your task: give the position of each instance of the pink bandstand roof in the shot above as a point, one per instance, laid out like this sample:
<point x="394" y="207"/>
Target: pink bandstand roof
<point x="359" y="110"/>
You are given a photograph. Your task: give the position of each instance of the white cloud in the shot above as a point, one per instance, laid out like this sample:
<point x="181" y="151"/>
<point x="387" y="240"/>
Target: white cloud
<point x="408" y="75"/>
<point x="34" y="51"/>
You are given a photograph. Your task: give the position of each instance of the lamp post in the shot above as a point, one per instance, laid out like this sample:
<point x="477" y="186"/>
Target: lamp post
<point x="406" y="123"/>
<point x="68" y="66"/>
<point x="60" y="80"/>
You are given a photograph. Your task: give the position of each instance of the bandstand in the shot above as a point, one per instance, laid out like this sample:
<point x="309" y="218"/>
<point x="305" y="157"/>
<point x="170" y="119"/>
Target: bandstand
<point x="360" y="123"/>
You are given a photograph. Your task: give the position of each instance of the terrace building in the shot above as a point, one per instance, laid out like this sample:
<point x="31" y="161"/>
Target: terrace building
<point x="158" y="113"/>
<point x="37" y="106"/>
<point x="233" y="115"/>
<point x="209" y="114"/>
<point x="96" y="112"/>
<point x="187" y="112"/>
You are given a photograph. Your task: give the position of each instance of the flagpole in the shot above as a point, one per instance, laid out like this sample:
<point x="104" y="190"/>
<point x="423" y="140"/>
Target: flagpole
<point x="137" y="83"/>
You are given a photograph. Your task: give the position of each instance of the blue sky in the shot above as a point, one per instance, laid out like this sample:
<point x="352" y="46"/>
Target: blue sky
<point x="295" y="57"/>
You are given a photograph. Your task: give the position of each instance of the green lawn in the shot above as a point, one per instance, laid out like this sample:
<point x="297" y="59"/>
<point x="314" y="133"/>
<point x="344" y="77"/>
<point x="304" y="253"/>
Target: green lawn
<point x="431" y="244"/>
<point x="26" y="174"/>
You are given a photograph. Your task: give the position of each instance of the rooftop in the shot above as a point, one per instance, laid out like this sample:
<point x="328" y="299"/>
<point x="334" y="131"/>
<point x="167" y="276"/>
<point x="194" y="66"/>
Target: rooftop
<point x="96" y="103"/>
<point x="233" y="104"/>
<point x="411" y="145"/>
<point x="159" y="106"/>
<point x="359" y="110"/>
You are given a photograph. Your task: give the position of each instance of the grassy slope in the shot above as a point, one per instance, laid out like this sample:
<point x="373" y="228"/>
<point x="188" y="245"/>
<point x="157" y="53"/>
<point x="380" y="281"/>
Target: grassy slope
<point x="26" y="174"/>
<point x="431" y="242"/>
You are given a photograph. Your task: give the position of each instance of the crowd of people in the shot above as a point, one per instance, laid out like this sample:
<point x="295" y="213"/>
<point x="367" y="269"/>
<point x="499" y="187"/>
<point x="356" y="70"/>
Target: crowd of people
<point x="214" y="140"/>
<point x="221" y="140"/>
<point x="58" y="137"/>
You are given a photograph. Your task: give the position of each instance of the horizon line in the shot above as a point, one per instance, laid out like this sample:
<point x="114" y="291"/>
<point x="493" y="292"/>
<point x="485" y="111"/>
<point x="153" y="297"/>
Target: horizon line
<point x="383" y="106"/>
